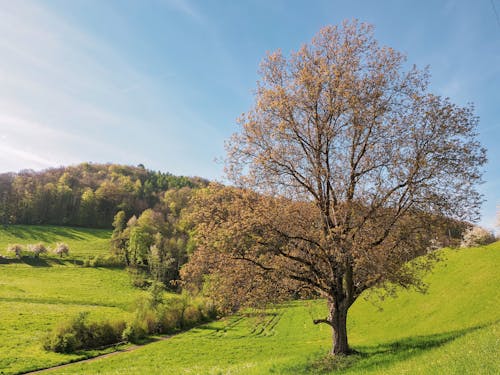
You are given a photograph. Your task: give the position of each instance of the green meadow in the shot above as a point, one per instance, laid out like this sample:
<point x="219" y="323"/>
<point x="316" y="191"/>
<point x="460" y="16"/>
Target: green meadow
<point x="83" y="242"/>
<point x="453" y="329"/>
<point x="37" y="294"/>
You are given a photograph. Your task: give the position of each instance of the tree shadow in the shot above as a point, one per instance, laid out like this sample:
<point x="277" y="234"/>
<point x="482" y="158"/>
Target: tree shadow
<point x="104" y="234"/>
<point x="384" y="354"/>
<point x="51" y="233"/>
<point x="35" y="262"/>
<point x="59" y="261"/>
<point x="207" y="327"/>
<point x="259" y="314"/>
<point x="30" y="261"/>
<point x="42" y="261"/>
<point x="42" y="233"/>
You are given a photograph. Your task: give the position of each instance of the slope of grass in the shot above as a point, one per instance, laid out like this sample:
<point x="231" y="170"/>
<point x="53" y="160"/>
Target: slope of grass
<point x="453" y="329"/>
<point x="83" y="242"/>
<point x="37" y="294"/>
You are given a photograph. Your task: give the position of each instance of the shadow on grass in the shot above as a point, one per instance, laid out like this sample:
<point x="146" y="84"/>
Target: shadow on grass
<point x="42" y="261"/>
<point x="259" y="314"/>
<point x="41" y="233"/>
<point x="208" y="327"/>
<point x="64" y="261"/>
<point x="51" y="233"/>
<point x="382" y="355"/>
<point x="35" y="262"/>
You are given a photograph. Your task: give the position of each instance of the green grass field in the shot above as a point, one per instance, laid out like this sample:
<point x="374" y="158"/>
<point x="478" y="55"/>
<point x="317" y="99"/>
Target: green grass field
<point x="453" y="329"/>
<point x="36" y="294"/>
<point x="83" y="242"/>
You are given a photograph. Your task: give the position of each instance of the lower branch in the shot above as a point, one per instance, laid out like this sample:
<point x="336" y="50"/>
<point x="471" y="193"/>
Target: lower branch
<point x="326" y="321"/>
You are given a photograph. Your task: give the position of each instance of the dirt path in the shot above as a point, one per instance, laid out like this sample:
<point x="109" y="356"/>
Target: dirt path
<point x="129" y="349"/>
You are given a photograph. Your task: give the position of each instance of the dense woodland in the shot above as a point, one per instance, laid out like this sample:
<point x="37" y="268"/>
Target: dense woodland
<point x="157" y="243"/>
<point x="87" y="195"/>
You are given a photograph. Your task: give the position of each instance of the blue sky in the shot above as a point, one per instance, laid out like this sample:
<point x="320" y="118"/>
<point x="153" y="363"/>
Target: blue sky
<point x="162" y="82"/>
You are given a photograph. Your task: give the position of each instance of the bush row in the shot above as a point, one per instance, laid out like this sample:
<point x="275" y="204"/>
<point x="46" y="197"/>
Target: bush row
<point x="77" y="334"/>
<point x="102" y="260"/>
<point x="36" y="249"/>
<point x="153" y="315"/>
<point x="177" y="314"/>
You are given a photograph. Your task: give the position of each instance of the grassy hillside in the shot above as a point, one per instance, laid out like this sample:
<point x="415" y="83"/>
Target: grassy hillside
<point x="36" y="295"/>
<point x="83" y="242"/>
<point x="454" y="329"/>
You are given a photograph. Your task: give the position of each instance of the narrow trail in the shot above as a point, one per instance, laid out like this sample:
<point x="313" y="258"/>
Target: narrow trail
<point x="120" y="351"/>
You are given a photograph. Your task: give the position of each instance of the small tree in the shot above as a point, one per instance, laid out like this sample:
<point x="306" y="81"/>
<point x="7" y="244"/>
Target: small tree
<point x="37" y="249"/>
<point x="17" y="249"/>
<point x="61" y="249"/>
<point x="477" y="236"/>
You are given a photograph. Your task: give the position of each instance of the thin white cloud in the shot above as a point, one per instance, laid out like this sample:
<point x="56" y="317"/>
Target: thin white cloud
<point x="16" y="126"/>
<point x="187" y="8"/>
<point x="67" y="95"/>
<point x="61" y="92"/>
<point x="29" y="159"/>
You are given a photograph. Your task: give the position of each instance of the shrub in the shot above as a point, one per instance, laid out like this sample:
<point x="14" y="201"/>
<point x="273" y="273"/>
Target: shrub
<point x="207" y="309"/>
<point x="100" y="260"/>
<point x="156" y="293"/>
<point x="77" y="334"/>
<point x="105" y="333"/>
<point x="16" y="248"/>
<point x="138" y="278"/>
<point x="135" y="331"/>
<point x="191" y="317"/>
<point x="148" y="320"/>
<point x="67" y="336"/>
<point x="65" y="342"/>
<point x="477" y="236"/>
<point x="61" y="249"/>
<point x="37" y="249"/>
<point x="169" y="319"/>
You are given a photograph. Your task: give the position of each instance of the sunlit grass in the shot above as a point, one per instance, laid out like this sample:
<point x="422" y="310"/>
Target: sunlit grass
<point x="83" y="242"/>
<point x="37" y="294"/>
<point x="453" y="329"/>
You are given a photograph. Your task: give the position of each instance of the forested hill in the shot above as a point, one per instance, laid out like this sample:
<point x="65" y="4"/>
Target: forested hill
<point x="86" y="195"/>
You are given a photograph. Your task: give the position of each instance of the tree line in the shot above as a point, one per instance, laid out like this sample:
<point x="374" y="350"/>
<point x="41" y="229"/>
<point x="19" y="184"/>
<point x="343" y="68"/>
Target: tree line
<point x="87" y="195"/>
<point x="157" y="243"/>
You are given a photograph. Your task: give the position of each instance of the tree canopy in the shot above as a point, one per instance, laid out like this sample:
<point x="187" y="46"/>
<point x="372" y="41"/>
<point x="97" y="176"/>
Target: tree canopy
<point x="84" y="195"/>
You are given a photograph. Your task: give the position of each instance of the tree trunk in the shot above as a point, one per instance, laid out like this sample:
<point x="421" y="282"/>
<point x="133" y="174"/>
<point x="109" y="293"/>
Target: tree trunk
<point x="339" y="331"/>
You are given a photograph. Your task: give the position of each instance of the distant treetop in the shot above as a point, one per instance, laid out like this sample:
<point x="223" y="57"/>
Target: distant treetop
<point x="86" y="194"/>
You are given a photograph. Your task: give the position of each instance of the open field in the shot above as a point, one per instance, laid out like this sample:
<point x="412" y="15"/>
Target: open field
<point x="454" y="329"/>
<point x="36" y="294"/>
<point x="83" y="242"/>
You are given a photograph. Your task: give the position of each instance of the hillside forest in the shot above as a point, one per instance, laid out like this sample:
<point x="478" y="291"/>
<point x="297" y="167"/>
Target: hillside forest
<point x="87" y="195"/>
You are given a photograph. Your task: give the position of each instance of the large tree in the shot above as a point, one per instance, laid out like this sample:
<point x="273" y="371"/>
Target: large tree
<point x="346" y="140"/>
